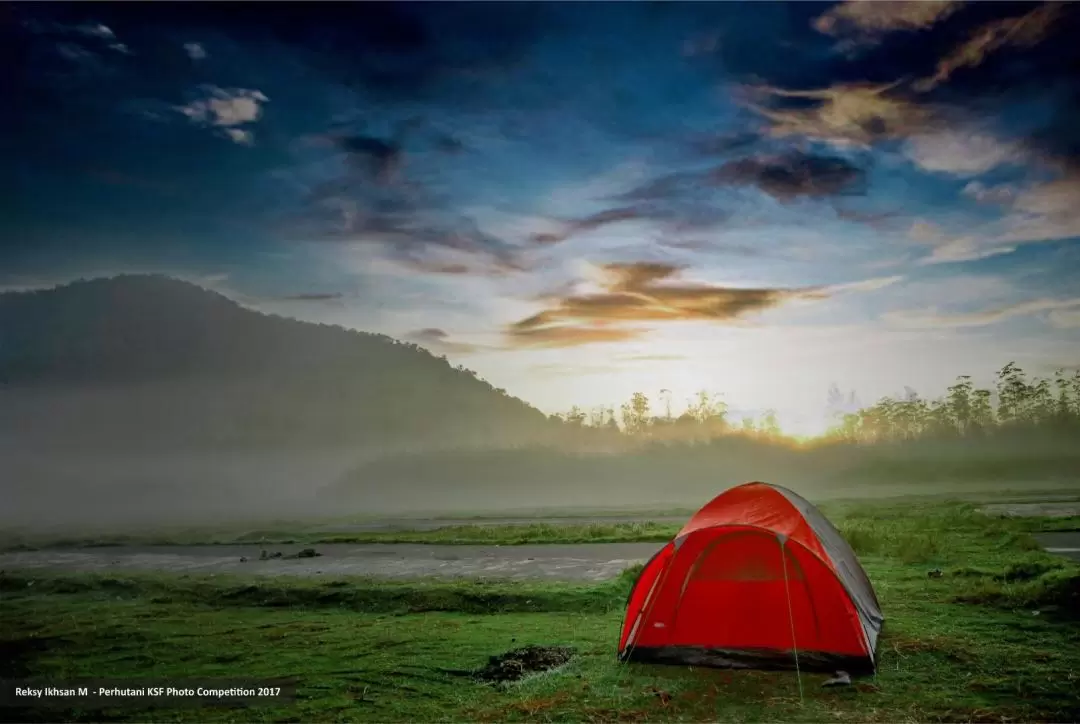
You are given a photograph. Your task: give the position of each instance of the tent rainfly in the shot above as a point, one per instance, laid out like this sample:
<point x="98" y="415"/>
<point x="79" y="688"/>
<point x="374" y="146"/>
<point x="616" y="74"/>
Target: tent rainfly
<point x="758" y="578"/>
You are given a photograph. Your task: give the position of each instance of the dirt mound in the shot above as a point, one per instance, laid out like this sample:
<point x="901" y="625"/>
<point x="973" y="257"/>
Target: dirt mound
<point x="519" y="663"/>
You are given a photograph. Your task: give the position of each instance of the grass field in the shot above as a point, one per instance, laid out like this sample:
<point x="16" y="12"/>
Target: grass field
<point x="592" y="528"/>
<point x="995" y="638"/>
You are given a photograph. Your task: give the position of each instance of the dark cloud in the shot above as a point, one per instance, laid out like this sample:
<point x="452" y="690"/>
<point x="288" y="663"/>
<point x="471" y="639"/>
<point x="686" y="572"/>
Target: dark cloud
<point x="723" y="144"/>
<point x="671" y="215"/>
<point x="795" y="175"/>
<point x="591" y="222"/>
<point x="787" y="176"/>
<point x="686" y="201"/>
<point x="430" y="239"/>
<point x="384" y="157"/>
<point x="640" y="292"/>
<point x="380" y="157"/>
<point x="374" y="201"/>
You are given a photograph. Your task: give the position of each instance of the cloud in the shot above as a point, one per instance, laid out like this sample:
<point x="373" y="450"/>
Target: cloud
<point x="966" y="248"/>
<point x="225" y="107"/>
<point x="1065" y="318"/>
<point x="438" y="341"/>
<point x="425" y="222"/>
<point x="1024" y="31"/>
<point x="438" y="244"/>
<point x="97" y="30"/>
<point x="106" y="33"/>
<point x="570" y="336"/>
<point x="591" y="223"/>
<point x="1065" y="310"/>
<point x="639" y="292"/>
<point x="865" y="285"/>
<point x="195" y="51"/>
<point x="947" y="248"/>
<point x="1000" y="194"/>
<point x="859" y="114"/>
<point x="1041" y="213"/>
<point x="863" y="22"/>
<point x="961" y="153"/>
<point x="382" y="158"/>
<point x="410" y="225"/>
<point x="794" y="175"/>
<point x="239" y="135"/>
<point x="651" y="292"/>
<point x="1059" y="199"/>
<point x="685" y="202"/>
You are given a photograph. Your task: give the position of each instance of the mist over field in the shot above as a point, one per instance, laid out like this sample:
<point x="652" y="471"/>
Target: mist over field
<point x="283" y="427"/>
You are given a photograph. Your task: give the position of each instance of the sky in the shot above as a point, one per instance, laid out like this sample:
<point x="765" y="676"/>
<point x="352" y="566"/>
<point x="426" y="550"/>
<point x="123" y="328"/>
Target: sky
<point x="576" y="200"/>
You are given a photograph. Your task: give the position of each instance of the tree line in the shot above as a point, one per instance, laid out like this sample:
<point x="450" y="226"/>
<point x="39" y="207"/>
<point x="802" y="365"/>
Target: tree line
<point x="704" y="414"/>
<point x="1015" y="401"/>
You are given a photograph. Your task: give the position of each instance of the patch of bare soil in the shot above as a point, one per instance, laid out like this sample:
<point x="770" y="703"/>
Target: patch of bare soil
<point x="519" y="663"/>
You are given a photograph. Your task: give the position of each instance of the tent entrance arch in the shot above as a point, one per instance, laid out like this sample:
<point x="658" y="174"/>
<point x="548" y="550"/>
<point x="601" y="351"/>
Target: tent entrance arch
<point x="750" y="581"/>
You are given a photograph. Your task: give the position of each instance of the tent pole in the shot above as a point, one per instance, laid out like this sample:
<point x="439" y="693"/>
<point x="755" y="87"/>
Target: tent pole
<point x="791" y="616"/>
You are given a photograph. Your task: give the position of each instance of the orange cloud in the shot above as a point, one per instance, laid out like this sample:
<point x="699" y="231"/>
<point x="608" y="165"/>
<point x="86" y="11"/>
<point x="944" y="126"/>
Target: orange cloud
<point x="523" y="335"/>
<point x="866" y="22"/>
<point x="1026" y="31"/>
<point x="640" y="292"/>
<point x="855" y="113"/>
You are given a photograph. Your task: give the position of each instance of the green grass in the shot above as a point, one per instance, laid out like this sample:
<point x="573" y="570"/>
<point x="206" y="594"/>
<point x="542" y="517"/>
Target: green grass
<point x="1036" y="525"/>
<point x="518" y="534"/>
<point x="870" y="527"/>
<point x="989" y="640"/>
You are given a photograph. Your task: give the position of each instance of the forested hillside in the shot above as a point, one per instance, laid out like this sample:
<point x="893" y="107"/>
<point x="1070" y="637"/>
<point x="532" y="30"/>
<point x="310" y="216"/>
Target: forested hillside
<point x="153" y="360"/>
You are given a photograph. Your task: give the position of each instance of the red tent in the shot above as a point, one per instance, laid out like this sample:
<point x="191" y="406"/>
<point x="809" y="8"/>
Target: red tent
<point x="758" y="578"/>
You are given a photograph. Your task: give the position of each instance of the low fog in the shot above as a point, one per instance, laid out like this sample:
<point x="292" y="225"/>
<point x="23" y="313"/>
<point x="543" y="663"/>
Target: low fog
<point x="60" y="481"/>
<point x="204" y="413"/>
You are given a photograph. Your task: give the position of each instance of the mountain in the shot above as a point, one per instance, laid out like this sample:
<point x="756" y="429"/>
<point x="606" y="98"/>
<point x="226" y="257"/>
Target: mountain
<point x="152" y="360"/>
